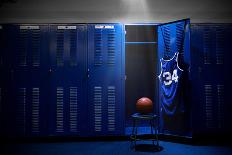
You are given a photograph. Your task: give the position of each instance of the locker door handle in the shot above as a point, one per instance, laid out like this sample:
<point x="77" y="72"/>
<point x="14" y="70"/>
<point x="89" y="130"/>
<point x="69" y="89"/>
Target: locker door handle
<point x="88" y="73"/>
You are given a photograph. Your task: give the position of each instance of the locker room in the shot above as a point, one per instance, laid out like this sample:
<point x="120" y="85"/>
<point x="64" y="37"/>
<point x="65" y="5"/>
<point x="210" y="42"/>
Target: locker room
<point x="115" y="77"/>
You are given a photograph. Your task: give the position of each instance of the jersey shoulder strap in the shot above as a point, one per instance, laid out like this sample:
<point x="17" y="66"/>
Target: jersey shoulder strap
<point x="177" y="56"/>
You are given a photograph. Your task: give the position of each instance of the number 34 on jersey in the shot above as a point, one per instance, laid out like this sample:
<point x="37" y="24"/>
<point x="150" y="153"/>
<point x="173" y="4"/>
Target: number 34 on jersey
<point x="169" y="78"/>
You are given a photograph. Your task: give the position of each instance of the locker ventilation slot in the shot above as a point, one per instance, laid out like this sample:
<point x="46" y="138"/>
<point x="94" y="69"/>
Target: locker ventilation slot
<point x="111" y="108"/>
<point x="206" y="48"/>
<point x="73" y="47"/>
<point x="36" y="48"/>
<point x="220" y="44"/>
<point x="35" y="109"/>
<point x="60" y="47"/>
<point x="179" y="37"/>
<point x="21" y="111"/>
<point x="220" y="98"/>
<point x="167" y="41"/>
<point x="209" y="106"/>
<point x="73" y="99"/>
<point x="111" y="47"/>
<point x="98" y="108"/>
<point x="59" y="109"/>
<point x="98" y="58"/>
<point x="22" y="55"/>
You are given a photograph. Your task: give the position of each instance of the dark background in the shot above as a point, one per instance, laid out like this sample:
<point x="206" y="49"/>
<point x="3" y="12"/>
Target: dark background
<point x="126" y="11"/>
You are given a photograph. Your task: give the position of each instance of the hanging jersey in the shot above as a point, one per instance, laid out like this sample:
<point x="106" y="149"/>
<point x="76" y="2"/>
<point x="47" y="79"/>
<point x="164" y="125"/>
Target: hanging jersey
<point x="170" y="82"/>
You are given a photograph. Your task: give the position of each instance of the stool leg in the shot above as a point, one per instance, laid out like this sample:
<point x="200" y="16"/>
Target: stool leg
<point x="136" y="131"/>
<point x="133" y="133"/>
<point x="156" y="133"/>
<point x="152" y="127"/>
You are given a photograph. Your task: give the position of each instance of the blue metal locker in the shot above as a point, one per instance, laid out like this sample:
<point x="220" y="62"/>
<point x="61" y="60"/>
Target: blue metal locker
<point x="197" y="57"/>
<point x="211" y="81"/>
<point x="105" y="79"/>
<point x="175" y="37"/>
<point x="68" y="79"/>
<point x="27" y="45"/>
<point x="7" y="35"/>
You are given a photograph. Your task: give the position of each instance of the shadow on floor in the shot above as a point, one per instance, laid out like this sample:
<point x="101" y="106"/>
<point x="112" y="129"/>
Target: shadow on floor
<point x="147" y="148"/>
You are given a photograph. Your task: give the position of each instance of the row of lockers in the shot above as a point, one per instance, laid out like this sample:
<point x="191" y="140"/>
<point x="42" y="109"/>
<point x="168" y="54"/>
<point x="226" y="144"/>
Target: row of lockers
<point x="69" y="79"/>
<point x="61" y="80"/>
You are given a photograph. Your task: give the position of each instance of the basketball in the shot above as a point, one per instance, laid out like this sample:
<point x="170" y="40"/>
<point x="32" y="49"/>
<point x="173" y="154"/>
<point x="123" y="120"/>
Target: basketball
<point x="144" y="105"/>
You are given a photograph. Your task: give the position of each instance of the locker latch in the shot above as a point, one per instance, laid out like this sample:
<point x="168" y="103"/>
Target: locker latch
<point x="88" y="73"/>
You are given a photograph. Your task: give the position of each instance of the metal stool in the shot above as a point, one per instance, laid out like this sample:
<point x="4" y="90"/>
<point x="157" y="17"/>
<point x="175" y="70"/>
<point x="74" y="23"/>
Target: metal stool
<point x="153" y="121"/>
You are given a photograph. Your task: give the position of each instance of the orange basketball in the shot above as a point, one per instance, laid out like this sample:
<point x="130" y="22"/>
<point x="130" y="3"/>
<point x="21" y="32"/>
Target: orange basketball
<point x="144" y="105"/>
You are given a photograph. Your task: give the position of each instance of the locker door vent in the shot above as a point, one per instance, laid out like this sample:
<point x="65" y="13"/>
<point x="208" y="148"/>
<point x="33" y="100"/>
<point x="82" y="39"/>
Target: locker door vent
<point x="73" y="47"/>
<point x="220" y="98"/>
<point x="179" y="37"/>
<point x="35" y="109"/>
<point x="209" y="106"/>
<point x="220" y="45"/>
<point x="98" y="57"/>
<point x="59" y="109"/>
<point x="60" y="47"/>
<point x="73" y="99"/>
<point x="167" y="41"/>
<point x="22" y="55"/>
<point x="36" y="47"/>
<point x="111" y="108"/>
<point x="98" y="108"/>
<point x="206" y="46"/>
<point x="21" y="111"/>
<point x="111" y="47"/>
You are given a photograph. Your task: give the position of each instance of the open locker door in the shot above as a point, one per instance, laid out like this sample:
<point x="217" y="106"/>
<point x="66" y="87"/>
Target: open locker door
<point x="174" y="85"/>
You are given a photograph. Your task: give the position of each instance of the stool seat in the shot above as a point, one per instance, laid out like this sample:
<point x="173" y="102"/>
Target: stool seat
<point x="149" y="116"/>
